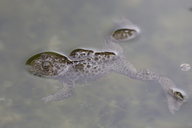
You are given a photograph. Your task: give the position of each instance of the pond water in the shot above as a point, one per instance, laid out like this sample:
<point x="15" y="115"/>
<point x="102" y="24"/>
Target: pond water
<point x="28" y="27"/>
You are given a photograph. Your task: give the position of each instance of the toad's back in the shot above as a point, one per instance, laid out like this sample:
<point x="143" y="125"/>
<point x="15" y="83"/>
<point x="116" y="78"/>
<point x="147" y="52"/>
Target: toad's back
<point x="87" y="65"/>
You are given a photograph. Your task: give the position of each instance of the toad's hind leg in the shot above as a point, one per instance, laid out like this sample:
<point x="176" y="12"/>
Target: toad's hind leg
<point x="64" y="93"/>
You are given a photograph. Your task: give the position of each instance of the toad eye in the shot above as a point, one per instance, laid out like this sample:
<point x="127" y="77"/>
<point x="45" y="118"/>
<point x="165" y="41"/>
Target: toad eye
<point x="46" y="65"/>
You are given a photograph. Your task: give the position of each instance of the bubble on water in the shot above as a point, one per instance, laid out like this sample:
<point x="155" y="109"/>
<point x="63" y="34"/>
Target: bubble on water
<point x="185" y="67"/>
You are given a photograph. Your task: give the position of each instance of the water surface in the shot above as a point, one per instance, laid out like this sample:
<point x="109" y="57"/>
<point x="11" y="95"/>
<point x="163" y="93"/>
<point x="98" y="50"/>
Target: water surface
<point x="28" y="27"/>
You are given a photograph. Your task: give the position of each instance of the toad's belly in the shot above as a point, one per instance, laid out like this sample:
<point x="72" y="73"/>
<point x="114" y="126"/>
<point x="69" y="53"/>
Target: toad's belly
<point x="72" y="78"/>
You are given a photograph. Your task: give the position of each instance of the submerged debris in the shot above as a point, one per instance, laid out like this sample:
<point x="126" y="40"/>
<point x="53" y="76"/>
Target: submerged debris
<point x="2" y="99"/>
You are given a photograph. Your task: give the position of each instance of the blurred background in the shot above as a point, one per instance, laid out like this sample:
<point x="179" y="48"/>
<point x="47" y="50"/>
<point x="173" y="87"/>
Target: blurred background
<point x="31" y="26"/>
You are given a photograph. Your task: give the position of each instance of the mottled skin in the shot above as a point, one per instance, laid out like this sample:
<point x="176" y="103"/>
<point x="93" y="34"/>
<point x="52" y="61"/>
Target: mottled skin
<point x="83" y="65"/>
<point x="126" y="30"/>
<point x="123" y="34"/>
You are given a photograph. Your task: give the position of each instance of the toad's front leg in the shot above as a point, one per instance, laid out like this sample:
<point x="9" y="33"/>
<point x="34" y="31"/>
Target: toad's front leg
<point x="64" y="93"/>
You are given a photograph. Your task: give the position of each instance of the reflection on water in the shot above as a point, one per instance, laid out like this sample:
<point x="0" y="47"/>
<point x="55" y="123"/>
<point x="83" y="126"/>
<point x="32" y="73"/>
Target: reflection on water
<point x="28" y="27"/>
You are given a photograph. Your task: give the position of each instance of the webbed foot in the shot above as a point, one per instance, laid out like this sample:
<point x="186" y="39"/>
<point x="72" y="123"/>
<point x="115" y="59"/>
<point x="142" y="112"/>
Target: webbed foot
<point x="176" y="98"/>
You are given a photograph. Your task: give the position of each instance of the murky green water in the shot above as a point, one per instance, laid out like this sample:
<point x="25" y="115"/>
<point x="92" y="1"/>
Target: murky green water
<point x="28" y="27"/>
